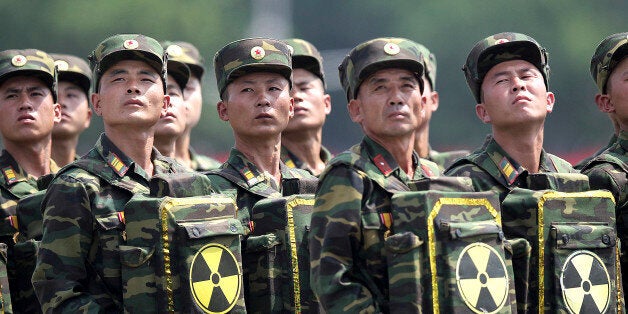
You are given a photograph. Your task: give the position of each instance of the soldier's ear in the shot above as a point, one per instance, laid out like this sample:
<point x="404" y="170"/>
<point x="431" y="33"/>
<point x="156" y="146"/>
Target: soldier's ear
<point x="223" y="114"/>
<point x="481" y="112"/>
<point x="603" y="102"/>
<point x="355" y="111"/>
<point x="166" y="105"/>
<point x="96" y="104"/>
<point x="550" y="101"/>
<point x="327" y="102"/>
<point x="434" y="100"/>
<point x="57" y="112"/>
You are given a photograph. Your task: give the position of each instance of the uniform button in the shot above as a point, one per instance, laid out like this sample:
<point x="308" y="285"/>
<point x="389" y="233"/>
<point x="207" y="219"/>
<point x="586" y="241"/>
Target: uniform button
<point x="606" y="239"/>
<point x="565" y="238"/>
<point x="233" y="228"/>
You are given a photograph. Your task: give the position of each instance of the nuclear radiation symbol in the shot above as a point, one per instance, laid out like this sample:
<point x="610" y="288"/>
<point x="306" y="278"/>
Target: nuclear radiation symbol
<point x="585" y="283"/>
<point x="482" y="279"/>
<point x="215" y="279"/>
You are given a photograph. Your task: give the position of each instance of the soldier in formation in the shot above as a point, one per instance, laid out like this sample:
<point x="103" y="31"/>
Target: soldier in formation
<point x="302" y="140"/>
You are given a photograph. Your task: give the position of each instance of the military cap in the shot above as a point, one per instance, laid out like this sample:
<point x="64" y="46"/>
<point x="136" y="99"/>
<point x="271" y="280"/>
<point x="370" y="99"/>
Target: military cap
<point x="29" y="62"/>
<point x="73" y="69"/>
<point x="251" y="55"/>
<point x="377" y="54"/>
<point x="187" y="53"/>
<point x="306" y="56"/>
<point x="429" y="60"/>
<point x="127" y="47"/>
<point x="607" y="55"/>
<point x="180" y="72"/>
<point x="499" y="48"/>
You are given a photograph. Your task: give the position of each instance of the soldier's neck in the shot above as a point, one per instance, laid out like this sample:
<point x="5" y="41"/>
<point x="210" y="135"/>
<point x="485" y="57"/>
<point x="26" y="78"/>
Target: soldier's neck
<point x="401" y="148"/>
<point x="33" y="157"/>
<point x="422" y="142"/>
<point x="166" y="146"/>
<point x="523" y="147"/>
<point x="307" y="147"/>
<point x="182" y="148"/>
<point x="263" y="152"/>
<point x="136" y="144"/>
<point x="64" y="150"/>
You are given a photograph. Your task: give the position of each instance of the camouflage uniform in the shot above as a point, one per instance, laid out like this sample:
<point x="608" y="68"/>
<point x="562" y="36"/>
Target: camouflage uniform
<point x="609" y="170"/>
<point x="347" y="252"/>
<point x="16" y="184"/>
<point x="293" y="161"/>
<point x="202" y="162"/>
<point x="445" y="159"/>
<point x="585" y="161"/>
<point x="491" y="169"/>
<point x="84" y="202"/>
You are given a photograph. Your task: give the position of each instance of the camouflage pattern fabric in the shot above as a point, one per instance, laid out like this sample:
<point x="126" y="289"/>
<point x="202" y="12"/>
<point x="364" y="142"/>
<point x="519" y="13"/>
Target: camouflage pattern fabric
<point x="278" y="256"/>
<point x="187" y="53"/>
<point x="609" y="171"/>
<point x="16" y="184"/>
<point x="502" y="47"/>
<point x="260" y="54"/>
<point x="608" y="54"/>
<point x="446" y="159"/>
<point x="127" y="47"/>
<point x="350" y="223"/>
<point x="376" y="54"/>
<point x="202" y="162"/>
<point x="239" y="178"/>
<point x="78" y="265"/>
<point x="292" y="161"/>
<point x="448" y="254"/>
<point x="29" y="62"/>
<point x="491" y="168"/>
<point x="585" y="161"/>
<point x="182" y="255"/>
<point x="73" y="69"/>
<point x="306" y="56"/>
<point x="573" y="264"/>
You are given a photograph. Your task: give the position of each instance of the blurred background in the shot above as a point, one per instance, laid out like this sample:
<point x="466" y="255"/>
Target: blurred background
<point x="570" y="30"/>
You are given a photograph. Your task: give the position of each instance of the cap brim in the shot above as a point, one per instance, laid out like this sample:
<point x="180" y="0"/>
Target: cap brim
<point x="407" y="64"/>
<point x="285" y="71"/>
<point x="530" y="54"/>
<point x="152" y="60"/>
<point x="76" y="78"/>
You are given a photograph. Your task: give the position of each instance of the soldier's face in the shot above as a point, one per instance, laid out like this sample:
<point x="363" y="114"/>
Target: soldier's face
<point x="75" y="112"/>
<point x="258" y="105"/>
<point x="311" y="104"/>
<point x="131" y="93"/>
<point x="617" y="93"/>
<point x="514" y="93"/>
<point x="389" y="104"/>
<point x="27" y="110"/>
<point x="172" y="124"/>
<point x="194" y="101"/>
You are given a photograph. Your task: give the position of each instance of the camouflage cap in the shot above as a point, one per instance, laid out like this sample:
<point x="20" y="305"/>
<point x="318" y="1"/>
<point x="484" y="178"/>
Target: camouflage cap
<point x="306" y="56"/>
<point x="499" y="48"/>
<point x="607" y="55"/>
<point x="187" y="53"/>
<point x="29" y="62"/>
<point x="73" y="69"/>
<point x="127" y="47"/>
<point x="251" y="55"/>
<point x="377" y="54"/>
<point x="180" y="72"/>
<point x="429" y="60"/>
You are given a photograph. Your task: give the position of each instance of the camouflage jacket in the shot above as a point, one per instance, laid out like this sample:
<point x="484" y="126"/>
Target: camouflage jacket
<point x="15" y="184"/>
<point x="445" y="159"/>
<point x="347" y="253"/>
<point x="78" y="266"/>
<point x="201" y="162"/>
<point x="609" y="171"/>
<point x="240" y="178"/>
<point x="292" y="161"/>
<point x="585" y="161"/>
<point x="491" y="169"/>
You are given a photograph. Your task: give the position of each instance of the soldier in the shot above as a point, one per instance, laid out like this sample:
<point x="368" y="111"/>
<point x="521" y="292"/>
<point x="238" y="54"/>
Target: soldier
<point x="422" y="137"/>
<point x="302" y="139"/>
<point x="609" y="68"/>
<point x="171" y="126"/>
<point x="508" y="75"/>
<point x="78" y="265"/>
<point x="193" y="97"/>
<point x="254" y="79"/>
<point x="383" y="82"/>
<point x="28" y="112"/>
<point x="75" y="80"/>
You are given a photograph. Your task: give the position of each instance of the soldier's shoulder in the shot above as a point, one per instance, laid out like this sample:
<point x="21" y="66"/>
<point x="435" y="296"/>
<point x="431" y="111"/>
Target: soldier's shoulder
<point x="203" y="163"/>
<point x="561" y="164"/>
